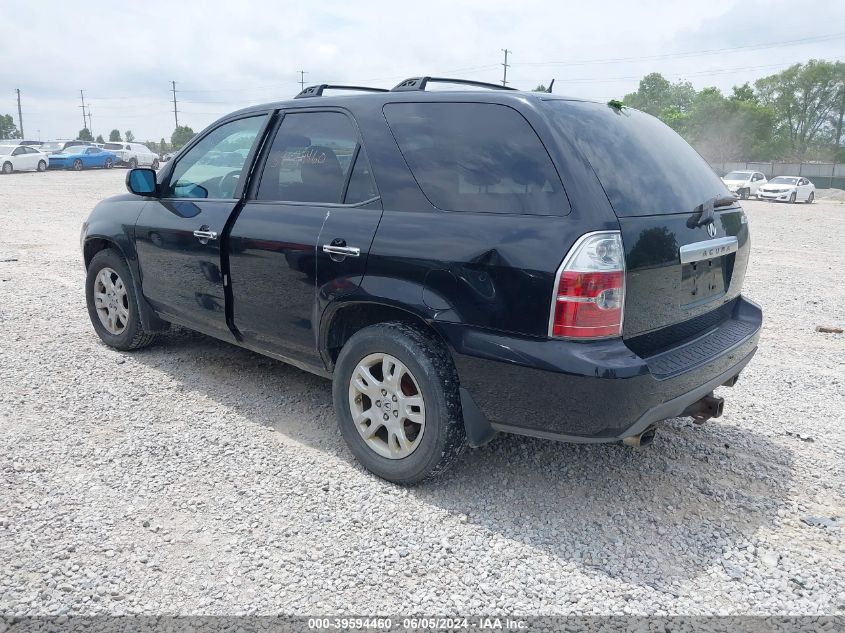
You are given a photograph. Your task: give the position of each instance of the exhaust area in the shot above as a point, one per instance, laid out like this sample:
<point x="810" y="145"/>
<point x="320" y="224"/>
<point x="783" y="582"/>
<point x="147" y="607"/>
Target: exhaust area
<point x="643" y="439"/>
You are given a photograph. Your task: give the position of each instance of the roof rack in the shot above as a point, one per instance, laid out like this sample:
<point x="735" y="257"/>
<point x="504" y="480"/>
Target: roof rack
<point x="317" y="91"/>
<point x="419" y="83"/>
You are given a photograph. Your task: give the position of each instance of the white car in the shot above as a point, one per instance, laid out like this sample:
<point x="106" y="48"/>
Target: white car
<point x="788" y="189"/>
<point x="133" y="154"/>
<point x="744" y="183"/>
<point x="21" y="158"/>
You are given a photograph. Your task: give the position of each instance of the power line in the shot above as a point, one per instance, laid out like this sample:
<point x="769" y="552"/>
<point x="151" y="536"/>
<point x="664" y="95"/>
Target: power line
<point x="505" y="66"/>
<point x="711" y="51"/>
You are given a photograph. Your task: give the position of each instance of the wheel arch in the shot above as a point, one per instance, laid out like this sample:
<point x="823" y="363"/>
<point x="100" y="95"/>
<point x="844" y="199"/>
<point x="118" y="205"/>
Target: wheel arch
<point x="343" y="318"/>
<point x="96" y="244"/>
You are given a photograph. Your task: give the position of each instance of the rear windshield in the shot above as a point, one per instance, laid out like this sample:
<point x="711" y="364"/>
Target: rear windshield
<point x="113" y="146"/>
<point x="477" y="157"/>
<point x="643" y="165"/>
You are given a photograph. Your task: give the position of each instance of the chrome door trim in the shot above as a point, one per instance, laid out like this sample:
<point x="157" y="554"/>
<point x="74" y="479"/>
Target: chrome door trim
<point x="346" y="251"/>
<point x="708" y="249"/>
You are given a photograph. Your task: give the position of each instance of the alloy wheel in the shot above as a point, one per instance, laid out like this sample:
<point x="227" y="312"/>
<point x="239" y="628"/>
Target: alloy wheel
<point x="77" y="165"/>
<point x="111" y="301"/>
<point x="387" y="406"/>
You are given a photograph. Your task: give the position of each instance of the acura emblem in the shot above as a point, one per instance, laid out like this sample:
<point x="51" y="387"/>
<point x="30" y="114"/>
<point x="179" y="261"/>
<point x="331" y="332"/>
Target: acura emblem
<point x="711" y="229"/>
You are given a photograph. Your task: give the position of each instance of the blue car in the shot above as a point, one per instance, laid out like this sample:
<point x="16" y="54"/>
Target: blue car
<point x="80" y="157"/>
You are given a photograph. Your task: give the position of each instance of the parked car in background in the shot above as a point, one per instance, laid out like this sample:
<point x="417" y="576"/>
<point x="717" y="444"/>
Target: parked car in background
<point x="459" y="263"/>
<point x="133" y="155"/>
<point x="79" y="157"/>
<point x="744" y="183"/>
<point x="788" y="189"/>
<point x="21" y="158"/>
<point x="54" y="147"/>
<point x="16" y="141"/>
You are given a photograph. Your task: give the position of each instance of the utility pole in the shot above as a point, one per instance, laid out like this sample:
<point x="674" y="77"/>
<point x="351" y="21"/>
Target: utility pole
<point x="505" y="65"/>
<point x="84" y="116"/>
<point x="20" y="116"/>
<point x="302" y="74"/>
<point x="175" y="111"/>
<point x="90" y="125"/>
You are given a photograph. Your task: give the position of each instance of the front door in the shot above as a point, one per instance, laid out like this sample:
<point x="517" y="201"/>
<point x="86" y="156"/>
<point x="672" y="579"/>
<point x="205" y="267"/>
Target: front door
<point x="178" y="236"/>
<point x="315" y="186"/>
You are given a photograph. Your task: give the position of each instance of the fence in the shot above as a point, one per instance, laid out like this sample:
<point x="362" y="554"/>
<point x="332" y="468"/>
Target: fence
<point x="823" y="175"/>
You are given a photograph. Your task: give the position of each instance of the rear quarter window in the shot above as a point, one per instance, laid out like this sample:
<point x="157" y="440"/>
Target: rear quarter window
<point x="477" y="157"/>
<point x="645" y="167"/>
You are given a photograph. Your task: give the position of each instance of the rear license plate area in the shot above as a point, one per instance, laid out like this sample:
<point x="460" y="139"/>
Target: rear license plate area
<point x="702" y="281"/>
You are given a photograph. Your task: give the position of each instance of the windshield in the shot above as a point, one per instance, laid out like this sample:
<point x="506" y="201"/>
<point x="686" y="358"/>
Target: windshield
<point x="112" y="146"/>
<point x="738" y="175"/>
<point x="51" y="146"/>
<point x="643" y="165"/>
<point x="783" y="180"/>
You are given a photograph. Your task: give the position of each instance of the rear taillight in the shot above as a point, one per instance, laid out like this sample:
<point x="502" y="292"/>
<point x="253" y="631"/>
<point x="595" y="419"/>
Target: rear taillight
<point x="589" y="298"/>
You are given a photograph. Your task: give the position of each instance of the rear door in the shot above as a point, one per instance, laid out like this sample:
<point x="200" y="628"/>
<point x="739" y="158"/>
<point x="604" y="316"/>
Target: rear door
<point x="682" y="261"/>
<point x="178" y="236"/>
<point x="305" y="229"/>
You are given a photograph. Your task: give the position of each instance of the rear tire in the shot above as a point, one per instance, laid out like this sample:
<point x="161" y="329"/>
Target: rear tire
<point x="7" y="168"/>
<point x="126" y="332"/>
<point x="424" y="375"/>
<point x="42" y="166"/>
<point x="811" y="197"/>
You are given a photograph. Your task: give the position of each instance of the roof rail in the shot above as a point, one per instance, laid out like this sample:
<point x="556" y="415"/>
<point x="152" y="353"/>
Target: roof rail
<point x="317" y="91"/>
<point x="419" y="83"/>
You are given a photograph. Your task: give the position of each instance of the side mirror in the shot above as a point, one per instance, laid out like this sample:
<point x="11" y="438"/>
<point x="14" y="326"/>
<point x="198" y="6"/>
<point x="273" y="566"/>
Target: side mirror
<point x="141" y="182"/>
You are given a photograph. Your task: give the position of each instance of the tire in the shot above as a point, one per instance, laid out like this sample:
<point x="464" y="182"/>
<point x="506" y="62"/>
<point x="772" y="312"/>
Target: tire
<point x="744" y="195"/>
<point x="77" y="165"/>
<point x="108" y="164"/>
<point x="811" y="197"/>
<point x="792" y="198"/>
<point x="155" y="164"/>
<point x="128" y="333"/>
<point x="42" y="166"/>
<point x="132" y="164"/>
<point x="440" y="440"/>
<point x="7" y="168"/>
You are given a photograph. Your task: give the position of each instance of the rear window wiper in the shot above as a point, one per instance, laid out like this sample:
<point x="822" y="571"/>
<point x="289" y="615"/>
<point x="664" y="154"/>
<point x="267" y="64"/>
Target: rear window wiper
<point x="705" y="210"/>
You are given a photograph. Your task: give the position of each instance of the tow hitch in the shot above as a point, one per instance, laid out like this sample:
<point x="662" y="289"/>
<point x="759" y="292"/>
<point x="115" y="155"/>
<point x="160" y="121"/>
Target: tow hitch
<point x="709" y="406"/>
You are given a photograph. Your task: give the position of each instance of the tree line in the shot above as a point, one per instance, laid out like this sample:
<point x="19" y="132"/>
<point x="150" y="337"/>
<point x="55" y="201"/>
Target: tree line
<point x="794" y="115"/>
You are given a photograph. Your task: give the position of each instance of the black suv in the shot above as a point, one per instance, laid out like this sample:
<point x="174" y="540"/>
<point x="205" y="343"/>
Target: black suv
<point x="457" y="262"/>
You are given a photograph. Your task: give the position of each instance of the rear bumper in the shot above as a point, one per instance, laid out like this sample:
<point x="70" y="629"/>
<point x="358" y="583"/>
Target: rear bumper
<point x="600" y="391"/>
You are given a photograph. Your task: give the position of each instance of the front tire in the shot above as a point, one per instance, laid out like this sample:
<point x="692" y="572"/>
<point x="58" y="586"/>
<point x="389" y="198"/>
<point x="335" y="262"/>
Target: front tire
<point x="77" y="165"/>
<point x="811" y="197"/>
<point x="744" y="195"/>
<point x="396" y="397"/>
<point x="109" y="163"/>
<point x="42" y="166"/>
<point x="7" y="168"/>
<point x="792" y="198"/>
<point x="132" y="164"/>
<point x="155" y="165"/>
<point x="111" y="302"/>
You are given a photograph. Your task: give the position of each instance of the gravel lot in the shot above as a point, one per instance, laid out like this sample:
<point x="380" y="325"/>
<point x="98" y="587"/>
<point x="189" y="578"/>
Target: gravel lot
<point x="195" y="477"/>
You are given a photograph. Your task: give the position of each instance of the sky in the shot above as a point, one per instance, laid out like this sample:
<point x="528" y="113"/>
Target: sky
<point x="224" y="55"/>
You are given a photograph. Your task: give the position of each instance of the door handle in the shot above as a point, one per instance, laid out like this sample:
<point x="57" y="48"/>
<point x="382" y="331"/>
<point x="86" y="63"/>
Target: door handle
<point x="203" y="236"/>
<point x="345" y="251"/>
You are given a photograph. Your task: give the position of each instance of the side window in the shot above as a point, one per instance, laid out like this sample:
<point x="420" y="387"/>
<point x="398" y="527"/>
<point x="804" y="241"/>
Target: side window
<point x="476" y="157"/>
<point x="361" y="186"/>
<point x="212" y="167"/>
<point x="309" y="159"/>
<point x="18" y="151"/>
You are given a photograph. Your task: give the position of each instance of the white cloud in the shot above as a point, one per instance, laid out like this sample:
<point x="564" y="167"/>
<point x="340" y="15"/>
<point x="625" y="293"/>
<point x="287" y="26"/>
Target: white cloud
<point x="225" y="55"/>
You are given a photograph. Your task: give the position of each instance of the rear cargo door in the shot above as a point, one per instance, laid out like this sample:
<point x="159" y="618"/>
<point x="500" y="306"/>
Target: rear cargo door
<point x="681" y="263"/>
